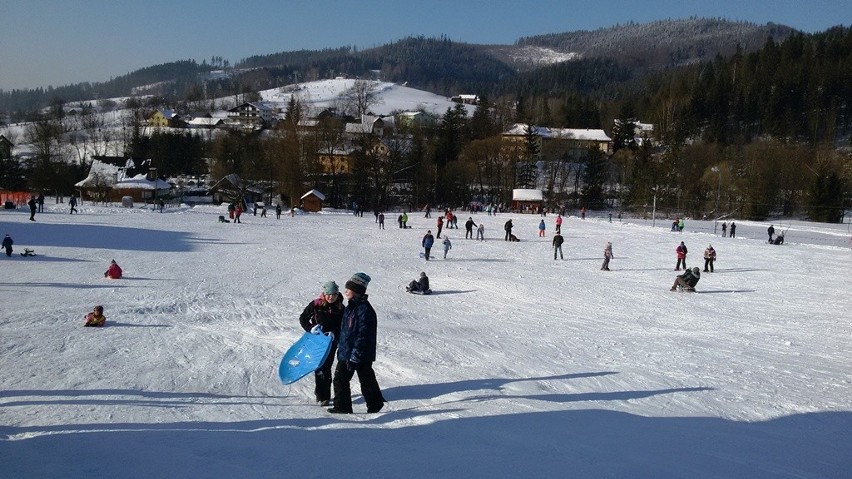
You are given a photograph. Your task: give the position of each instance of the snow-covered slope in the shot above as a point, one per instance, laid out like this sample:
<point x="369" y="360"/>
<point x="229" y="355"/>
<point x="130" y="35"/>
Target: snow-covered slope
<point x="517" y="366"/>
<point x="390" y="97"/>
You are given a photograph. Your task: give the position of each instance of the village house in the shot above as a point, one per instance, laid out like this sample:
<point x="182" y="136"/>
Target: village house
<point x="251" y="115"/>
<point x="165" y="119"/>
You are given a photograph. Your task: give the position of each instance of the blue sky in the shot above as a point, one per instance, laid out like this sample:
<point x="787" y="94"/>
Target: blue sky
<point x="57" y="42"/>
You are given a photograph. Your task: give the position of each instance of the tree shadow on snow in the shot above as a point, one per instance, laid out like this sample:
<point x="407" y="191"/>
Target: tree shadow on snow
<point x="429" y="391"/>
<point x="101" y="236"/>
<point x="39" y="258"/>
<point x="451" y="291"/>
<point x="65" y="285"/>
<point x="110" y="324"/>
<point x="593" y="442"/>
<point x="727" y="291"/>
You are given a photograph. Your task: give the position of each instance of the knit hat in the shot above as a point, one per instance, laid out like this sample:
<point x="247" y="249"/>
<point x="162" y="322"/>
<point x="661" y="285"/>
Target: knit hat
<point x="330" y="287"/>
<point x="358" y="283"/>
<point x="422" y="274"/>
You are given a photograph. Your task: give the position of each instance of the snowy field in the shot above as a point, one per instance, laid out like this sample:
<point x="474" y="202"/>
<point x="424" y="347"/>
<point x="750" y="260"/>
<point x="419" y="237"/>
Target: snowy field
<point x="517" y="366"/>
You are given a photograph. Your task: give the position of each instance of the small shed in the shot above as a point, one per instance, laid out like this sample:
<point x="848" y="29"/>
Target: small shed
<point x="527" y="201"/>
<point x="312" y="201"/>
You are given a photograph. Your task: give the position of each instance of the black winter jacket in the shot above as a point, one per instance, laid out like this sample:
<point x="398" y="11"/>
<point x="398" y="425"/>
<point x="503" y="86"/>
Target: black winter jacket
<point x="327" y="315"/>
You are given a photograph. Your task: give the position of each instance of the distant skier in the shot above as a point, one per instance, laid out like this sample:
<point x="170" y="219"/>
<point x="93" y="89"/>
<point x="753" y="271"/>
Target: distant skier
<point x="687" y="280"/>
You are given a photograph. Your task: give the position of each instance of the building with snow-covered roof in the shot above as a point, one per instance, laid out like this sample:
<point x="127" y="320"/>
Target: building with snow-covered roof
<point x="312" y="201"/>
<point x="372" y="124"/>
<point x="164" y="119"/>
<point x="251" y="115"/>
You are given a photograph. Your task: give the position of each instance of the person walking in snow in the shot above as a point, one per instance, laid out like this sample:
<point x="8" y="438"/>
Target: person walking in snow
<point x="7" y="244"/>
<point x="681" y="256"/>
<point x="607" y="256"/>
<point x="428" y="212"/>
<point x="381" y="221"/>
<point x="427" y="242"/>
<point x="724" y="229"/>
<point x="73" y="203"/>
<point x="771" y="231"/>
<point x="709" y="258"/>
<point x="32" y="205"/>
<point x="440" y="222"/>
<point x="557" y="245"/>
<point x="480" y="232"/>
<point x="326" y="311"/>
<point x="40" y="202"/>
<point x="447" y="245"/>
<point x="559" y="223"/>
<point x="238" y="211"/>
<point x="404" y="220"/>
<point x="508" y="228"/>
<point x="278" y="211"/>
<point x="468" y="227"/>
<point x="356" y="350"/>
<point x="733" y="230"/>
<point x="541" y="228"/>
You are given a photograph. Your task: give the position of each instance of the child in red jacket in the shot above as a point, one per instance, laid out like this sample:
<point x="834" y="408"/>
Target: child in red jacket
<point x="114" y="271"/>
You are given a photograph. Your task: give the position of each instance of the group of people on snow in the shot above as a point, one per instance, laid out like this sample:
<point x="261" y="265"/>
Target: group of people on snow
<point x="354" y="327"/>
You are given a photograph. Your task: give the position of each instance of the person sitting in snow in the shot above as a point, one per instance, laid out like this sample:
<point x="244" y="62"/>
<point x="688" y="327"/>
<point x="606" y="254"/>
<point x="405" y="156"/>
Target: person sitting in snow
<point x="420" y="285"/>
<point x="96" y="318"/>
<point x="114" y="271"/>
<point x="687" y="280"/>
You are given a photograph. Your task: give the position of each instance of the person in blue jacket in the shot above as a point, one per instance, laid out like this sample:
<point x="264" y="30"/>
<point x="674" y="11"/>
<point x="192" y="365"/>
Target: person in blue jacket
<point x="428" y="241"/>
<point x="356" y="350"/>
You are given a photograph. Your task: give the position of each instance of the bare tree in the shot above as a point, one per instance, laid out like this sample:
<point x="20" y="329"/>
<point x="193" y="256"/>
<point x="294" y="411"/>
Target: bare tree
<point x="358" y="99"/>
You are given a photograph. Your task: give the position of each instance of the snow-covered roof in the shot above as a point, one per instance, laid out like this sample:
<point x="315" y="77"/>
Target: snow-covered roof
<point x="101" y="174"/>
<point x="204" y="121"/>
<point x="520" y="129"/>
<point x="315" y="193"/>
<point x="140" y="182"/>
<point x="522" y="194"/>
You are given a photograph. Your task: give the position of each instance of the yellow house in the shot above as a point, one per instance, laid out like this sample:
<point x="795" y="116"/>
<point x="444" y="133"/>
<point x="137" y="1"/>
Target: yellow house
<point x="163" y="118"/>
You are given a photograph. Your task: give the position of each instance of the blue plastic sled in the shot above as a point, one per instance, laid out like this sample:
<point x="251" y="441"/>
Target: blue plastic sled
<point x="305" y="356"/>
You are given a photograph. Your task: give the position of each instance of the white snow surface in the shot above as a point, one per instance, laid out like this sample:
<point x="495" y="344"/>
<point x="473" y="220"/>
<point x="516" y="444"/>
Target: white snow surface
<point x="517" y="366"/>
<point x="388" y="97"/>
